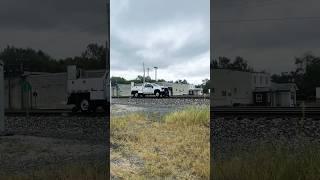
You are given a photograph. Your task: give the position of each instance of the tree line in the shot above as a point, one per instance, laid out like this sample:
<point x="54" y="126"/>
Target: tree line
<point x="93" y="57"/>
<point x="238" y="63"/>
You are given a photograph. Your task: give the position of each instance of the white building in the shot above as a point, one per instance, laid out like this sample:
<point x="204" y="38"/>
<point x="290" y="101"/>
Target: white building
<point x="231" y="87"/>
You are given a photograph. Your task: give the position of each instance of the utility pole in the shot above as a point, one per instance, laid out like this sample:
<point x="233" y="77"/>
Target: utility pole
<point x="148" y="69"/>
<point x="155" y="73"/>
<point x="144" y="73"/>
<point x="2" y="125"/>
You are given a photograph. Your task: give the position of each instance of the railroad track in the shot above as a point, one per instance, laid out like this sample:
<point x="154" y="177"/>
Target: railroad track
<point x="266" y="111"/>
<point x="216" y="111"/>
<point x="51" y="112"/>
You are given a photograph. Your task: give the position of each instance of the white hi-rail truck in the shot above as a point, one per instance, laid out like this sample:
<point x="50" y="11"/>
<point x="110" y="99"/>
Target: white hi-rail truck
<point x="87" y="94"/>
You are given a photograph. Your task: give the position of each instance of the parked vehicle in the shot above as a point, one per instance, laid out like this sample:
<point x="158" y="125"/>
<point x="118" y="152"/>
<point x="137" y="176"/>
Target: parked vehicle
<point x="87" y="93"/>
<point x="149" y="89"/>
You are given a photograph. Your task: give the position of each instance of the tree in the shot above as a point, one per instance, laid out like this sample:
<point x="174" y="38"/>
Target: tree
<point x="181" y="81"/>
<point x="95" y="52"/>
<point x="306" y="75"/>
<point x="239" y="64"/>
<point x="205" y="85"/>
<point x="118" y="80"/>
<point x="224" y="62"/>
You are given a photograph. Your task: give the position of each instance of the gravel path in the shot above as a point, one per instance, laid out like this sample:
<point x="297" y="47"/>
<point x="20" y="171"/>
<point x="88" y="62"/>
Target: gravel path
<point x="93" y="129"/>
<point x="152" y="106"/>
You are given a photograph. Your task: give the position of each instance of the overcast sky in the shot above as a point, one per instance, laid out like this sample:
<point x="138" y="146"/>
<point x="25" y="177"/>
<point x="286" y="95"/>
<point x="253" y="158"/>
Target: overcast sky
<point x="173" y="35"/>
<point x="270" y="45"/>
<point x="60" y="28"/>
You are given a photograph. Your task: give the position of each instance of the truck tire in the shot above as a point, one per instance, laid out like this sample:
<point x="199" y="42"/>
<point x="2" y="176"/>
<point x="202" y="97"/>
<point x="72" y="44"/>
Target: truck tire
<point x="84" y="105"/>
<point x="157" y="93"/>
<point x="136" y="95"/>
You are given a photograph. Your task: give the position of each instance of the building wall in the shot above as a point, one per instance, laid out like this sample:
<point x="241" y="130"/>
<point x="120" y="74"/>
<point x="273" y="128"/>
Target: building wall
<point x="229" y="87"/>
<point x="51" y="90"/>
<point x="121" y="90"/>
<point x="13" y="93"/>
<point x="180" y="89"/>
<point x="261" y="80"/>
<point x="283" y="99"/>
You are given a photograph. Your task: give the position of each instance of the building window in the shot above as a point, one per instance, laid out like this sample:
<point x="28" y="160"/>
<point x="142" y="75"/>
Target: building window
<point x="224" y="93"/>
<point x="259" y="98"/>
<point x="260" y="79"/>
<point x="235" y="90"/>
<point x="255" y="79"/>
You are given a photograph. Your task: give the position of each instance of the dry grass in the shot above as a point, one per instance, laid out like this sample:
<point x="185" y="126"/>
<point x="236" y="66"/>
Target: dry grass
<point x="175" y="147"/>
<point x="266" y="163"/>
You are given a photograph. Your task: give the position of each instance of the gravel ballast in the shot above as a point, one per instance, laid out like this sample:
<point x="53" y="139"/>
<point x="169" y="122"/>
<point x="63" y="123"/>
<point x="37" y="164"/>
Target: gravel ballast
<point x="93" y="129"/>
<point x="56" y="141"/>
<point x="155" y="102"/>
<point x="236" y="134"/>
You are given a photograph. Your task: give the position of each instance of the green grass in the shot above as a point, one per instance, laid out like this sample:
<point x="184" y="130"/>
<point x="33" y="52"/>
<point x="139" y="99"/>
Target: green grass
<point x="175" y="147"/>
<point x="271" y="163"/>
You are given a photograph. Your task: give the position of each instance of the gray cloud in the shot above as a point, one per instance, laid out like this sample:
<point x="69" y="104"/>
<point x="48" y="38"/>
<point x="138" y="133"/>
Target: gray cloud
<point x="61" y="28"/>
<point x="167" y="34"/>
<point x="266" y="44"/>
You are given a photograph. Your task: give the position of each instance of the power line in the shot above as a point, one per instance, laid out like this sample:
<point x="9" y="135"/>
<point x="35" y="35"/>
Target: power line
<point x="306" y="18"/>
<point x="253" y="4"/>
